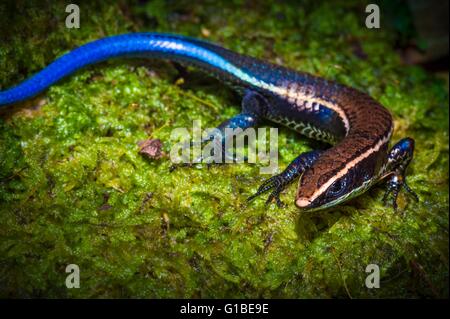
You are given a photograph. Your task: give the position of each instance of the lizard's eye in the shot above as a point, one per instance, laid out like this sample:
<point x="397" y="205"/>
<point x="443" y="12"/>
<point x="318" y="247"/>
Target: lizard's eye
<point x="337" y="188"/>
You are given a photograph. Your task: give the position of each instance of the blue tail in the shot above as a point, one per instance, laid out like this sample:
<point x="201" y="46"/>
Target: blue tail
<point x="153" y="45"/>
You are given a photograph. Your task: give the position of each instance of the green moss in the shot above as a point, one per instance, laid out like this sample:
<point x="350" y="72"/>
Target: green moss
<point x="73" y="188"/>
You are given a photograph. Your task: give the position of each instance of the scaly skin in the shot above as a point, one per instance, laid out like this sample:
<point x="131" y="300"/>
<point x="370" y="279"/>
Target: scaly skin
<point x="358" y="127"/>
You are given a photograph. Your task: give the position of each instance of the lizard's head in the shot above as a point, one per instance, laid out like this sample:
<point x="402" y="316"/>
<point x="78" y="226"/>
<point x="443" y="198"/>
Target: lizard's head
<point x="330" y="182"/>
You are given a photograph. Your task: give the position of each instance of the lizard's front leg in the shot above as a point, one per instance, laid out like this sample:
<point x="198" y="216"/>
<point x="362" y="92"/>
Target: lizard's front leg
<point x="279" y="182"/>
<point x="399" y="158"/>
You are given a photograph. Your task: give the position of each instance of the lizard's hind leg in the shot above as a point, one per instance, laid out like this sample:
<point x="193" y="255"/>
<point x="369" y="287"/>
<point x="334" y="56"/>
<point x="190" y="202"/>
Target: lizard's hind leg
<point x="254" y="106"/>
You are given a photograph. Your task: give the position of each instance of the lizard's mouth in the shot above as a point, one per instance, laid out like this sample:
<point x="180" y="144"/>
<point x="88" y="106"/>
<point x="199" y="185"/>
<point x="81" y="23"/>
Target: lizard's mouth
<point x="307" y="205"/>
<point x="303" y="202"/>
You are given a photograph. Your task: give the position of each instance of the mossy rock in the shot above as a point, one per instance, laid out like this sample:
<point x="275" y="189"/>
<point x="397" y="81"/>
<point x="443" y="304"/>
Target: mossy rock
<point x="75" y="190"/>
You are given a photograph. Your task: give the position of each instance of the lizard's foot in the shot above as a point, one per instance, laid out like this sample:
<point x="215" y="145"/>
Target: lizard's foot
<point x="279" y="182"/>
<point x="395" y="184"/>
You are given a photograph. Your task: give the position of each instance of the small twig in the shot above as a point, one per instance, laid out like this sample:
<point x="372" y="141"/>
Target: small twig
<point x="342" y="275"/>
